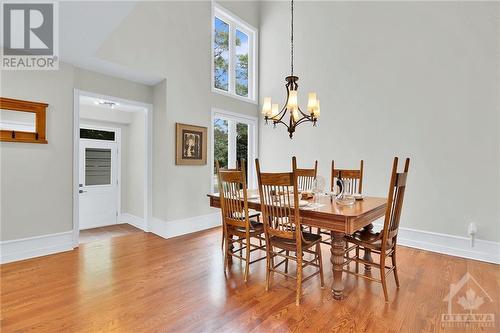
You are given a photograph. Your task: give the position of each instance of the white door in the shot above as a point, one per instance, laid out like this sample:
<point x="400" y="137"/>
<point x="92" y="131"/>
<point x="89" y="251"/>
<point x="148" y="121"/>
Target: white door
<point x="98" y="186"/>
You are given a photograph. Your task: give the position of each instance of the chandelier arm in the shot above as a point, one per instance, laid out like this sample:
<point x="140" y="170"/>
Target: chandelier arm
<point x="282" y="113"/>
<point x="303" y="120"/>
<point x="281" y="122"/>
<point x="302" y="113"/>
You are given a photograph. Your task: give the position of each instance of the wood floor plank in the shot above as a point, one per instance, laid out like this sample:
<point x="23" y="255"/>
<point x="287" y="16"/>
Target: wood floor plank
<point x="140" y="282"/>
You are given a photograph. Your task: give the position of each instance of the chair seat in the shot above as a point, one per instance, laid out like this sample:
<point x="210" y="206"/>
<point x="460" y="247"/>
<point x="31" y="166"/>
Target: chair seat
<point x="290" y="244"/>
<point x="255" y="228"/>
<point x="367" y="238"/>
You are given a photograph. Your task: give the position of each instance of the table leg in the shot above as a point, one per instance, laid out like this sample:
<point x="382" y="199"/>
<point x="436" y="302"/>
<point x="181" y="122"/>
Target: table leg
<point x="337" y="251"/>
<point x="367" y="255"/>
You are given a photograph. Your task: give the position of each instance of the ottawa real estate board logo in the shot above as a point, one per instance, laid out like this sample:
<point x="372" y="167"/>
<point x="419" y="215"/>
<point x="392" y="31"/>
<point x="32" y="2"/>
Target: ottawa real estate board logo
<point x="30" y="38"/>
<point x="468" y="305"/>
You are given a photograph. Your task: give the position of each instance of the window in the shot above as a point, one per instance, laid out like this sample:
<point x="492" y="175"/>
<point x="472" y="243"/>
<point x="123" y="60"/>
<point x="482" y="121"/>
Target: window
<point x="87" y="133"/>
<point x="234" y="138"/>
<point x="234" y="56"/>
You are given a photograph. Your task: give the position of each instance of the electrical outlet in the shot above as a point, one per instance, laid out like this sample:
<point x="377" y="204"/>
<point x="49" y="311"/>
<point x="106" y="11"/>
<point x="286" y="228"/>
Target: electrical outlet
<point x="472" y="231"/>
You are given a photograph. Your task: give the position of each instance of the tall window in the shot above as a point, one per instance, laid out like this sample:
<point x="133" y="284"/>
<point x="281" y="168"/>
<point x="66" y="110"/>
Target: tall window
<point x="234" y="56"/>
<point x="233" y="139"/>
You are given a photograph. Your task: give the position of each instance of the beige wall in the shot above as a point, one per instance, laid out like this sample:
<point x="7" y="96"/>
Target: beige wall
<point x="132" y="125"/>
<point x="111" y="86"/>
<point x="36" y="178"/>
<point x="417" y="79"/>
<point x="136" y="163"/>
<point x="45" y="171"/>
<point x="174" y="42"/>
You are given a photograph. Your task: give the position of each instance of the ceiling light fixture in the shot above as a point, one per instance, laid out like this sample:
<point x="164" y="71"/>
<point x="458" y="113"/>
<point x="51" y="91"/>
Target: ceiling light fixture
<point x="106" y="103"/>
<point x="296" y="116"/>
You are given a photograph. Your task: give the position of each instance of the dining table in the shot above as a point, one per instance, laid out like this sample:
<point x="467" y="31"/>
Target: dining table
<point x="326" y="213"/>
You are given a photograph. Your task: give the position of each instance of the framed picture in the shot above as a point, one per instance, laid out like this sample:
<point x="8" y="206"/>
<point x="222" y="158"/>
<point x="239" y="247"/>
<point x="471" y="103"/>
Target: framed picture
<point x="190" y="144"/>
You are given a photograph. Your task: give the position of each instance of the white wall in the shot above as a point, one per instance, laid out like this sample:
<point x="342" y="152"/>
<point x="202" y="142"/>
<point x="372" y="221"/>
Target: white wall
<point x="416" y="79"/>
<point x="173" y="40"/>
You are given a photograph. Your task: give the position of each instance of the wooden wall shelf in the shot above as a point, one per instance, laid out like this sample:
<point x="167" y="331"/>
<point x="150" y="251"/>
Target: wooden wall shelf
<point x="39" y="109"/>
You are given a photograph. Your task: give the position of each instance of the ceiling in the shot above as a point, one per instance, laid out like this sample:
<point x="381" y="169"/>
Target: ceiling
<point x="84" y="26"/>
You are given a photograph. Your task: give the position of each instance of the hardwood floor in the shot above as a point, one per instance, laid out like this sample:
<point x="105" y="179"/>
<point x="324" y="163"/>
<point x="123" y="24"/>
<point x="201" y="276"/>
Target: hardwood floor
<point x="102" y="233"/>
<point x="143" y="283"/>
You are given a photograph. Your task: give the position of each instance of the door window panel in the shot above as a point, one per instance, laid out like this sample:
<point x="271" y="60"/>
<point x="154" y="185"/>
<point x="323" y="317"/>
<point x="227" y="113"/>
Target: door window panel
<point x="242" y="145"/>
<point x="233" y="141"/>
<point x="220" y="147"/>
<point x="97" y="166"/>
<point x="86" y="133"/>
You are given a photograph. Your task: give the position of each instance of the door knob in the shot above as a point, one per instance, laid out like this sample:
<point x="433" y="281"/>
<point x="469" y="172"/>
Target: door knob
<point x="82" y="191"/>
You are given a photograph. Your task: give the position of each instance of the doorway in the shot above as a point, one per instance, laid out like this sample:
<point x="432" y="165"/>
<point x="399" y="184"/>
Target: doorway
<point x="99" y="177"/>
<point x="112" y="167"/>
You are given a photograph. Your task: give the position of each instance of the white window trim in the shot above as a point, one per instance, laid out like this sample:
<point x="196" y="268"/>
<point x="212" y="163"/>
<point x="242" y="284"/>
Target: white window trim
<point x="236" y="22"/>
<point x="253" y="144"/>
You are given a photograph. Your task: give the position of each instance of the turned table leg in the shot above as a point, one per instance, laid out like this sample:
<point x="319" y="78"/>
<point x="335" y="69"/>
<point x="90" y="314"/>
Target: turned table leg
<point x="337" y="259"/>
<point x="367" y="255"/>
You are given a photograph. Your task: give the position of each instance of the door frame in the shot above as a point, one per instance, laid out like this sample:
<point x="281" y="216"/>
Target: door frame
<point x="243" y="118"/>
<point x="148" y="156"/>
<point x="118" y="141"/>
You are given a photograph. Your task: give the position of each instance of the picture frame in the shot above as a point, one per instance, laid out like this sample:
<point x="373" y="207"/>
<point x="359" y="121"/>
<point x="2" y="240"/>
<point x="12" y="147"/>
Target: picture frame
<point x="190" y="144"/>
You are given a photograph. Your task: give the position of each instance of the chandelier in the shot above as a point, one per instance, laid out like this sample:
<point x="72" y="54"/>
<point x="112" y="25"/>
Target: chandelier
<point x="291" y="107"/>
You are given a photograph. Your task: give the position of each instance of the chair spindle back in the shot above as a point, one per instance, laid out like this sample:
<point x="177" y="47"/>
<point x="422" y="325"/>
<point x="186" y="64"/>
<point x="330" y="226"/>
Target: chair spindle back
<point x="279" y="202"/>
<point x="306" y="177"/>
<point x="233" y="197"/>
<point x="353" y="179"/>
<point x="394" y="203"/>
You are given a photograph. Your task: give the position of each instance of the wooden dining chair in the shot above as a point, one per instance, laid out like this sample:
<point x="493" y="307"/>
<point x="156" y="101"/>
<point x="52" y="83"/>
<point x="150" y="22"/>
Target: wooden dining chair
<point x="253" y="214"/>
<point x="352" y="177"/>
<point x="281" y="216"/>
<point x="305" y="179"/>
<point x="354" y="182"/>
<point x="236" y="219"/>
<point x="383" y="242"/>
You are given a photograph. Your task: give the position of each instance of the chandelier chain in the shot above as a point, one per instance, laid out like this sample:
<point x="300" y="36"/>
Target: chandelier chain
<point x="291" y="40"/>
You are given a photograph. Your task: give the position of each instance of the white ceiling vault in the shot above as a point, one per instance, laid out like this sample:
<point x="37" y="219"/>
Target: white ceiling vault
<point x="83" y="28"/>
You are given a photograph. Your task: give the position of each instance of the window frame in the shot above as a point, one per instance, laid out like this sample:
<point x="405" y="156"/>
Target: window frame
<point x="236" y="23"/>
<point x="253" y="148"/>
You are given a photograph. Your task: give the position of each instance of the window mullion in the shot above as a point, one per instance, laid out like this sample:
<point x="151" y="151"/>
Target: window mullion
<point x="231" y="144"/>
<point x="232" y="58"/>
<point x="251" y="61"/>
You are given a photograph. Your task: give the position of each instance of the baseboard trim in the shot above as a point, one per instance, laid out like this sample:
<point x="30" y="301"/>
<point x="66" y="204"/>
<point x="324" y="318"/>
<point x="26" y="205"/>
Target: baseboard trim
<point x="26" y="248"/>
<point x="457" y="246"/>
<point x="169" y="229"/>
<point x="134" y="220"/>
